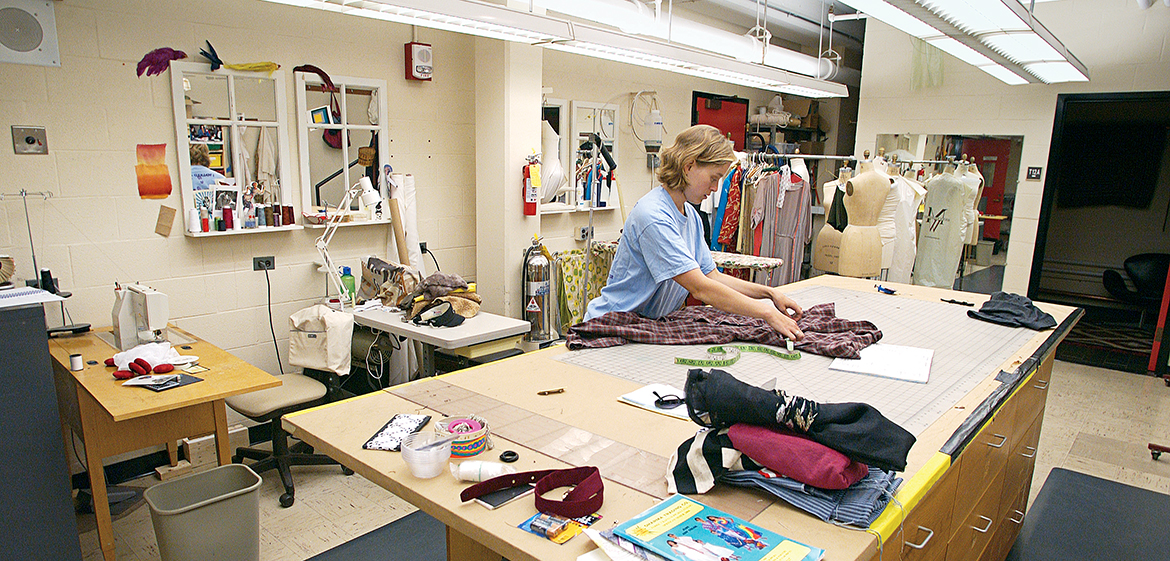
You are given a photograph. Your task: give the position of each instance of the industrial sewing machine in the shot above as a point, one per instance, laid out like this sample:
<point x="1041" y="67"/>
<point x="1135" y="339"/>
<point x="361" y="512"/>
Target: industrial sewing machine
<point x="140" y="316"/>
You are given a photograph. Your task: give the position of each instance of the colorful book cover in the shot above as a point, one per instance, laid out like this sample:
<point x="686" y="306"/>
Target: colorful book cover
<point x="682" y="529"/>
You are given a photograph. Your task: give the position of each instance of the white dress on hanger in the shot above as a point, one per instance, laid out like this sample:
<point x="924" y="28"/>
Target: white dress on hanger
<point x="940" y="242"/>
<point x="909" y="195"/>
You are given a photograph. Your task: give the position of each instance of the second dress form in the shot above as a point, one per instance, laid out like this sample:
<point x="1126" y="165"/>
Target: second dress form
<point x="861" y="243"/>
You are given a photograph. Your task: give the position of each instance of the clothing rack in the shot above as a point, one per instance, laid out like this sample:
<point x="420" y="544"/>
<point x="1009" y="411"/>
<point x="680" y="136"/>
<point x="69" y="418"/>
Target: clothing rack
<point x="769" y="156"/>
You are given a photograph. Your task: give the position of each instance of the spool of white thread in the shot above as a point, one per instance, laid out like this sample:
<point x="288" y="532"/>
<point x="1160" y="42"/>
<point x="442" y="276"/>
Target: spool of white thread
<point x="477" y="470"/>
<point x="193" y="224"/>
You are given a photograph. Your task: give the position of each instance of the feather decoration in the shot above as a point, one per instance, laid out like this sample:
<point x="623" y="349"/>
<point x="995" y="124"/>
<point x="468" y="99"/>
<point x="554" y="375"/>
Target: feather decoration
<point x="211" y="56"/>
<point x="158" y="60"/>
<point x="268" y="67"/>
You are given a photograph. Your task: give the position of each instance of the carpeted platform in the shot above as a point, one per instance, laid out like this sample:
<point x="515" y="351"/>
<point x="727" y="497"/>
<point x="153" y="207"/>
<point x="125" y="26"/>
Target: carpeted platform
<point x="414" y="537"/>
<point x="1078" y="516"/>
<point x="1124" y="347"/>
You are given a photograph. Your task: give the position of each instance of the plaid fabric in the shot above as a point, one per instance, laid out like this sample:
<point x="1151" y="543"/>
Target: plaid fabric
<point x="824" y="333"/>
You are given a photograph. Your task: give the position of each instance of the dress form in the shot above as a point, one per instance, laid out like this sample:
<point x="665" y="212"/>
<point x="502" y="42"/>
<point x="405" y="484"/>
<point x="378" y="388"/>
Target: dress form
<point x="827" y="246"/>
<point x="972" y="179"/>
<point x="940" y="242"/>
<point x="861" y="243"/>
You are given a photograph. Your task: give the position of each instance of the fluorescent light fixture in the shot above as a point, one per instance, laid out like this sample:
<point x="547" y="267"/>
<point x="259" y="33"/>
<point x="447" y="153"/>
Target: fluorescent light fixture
<point x="615" y="46"/>
<point x="460" y="16"/>
<point x="999" y="37"/>
<point x="498" y="22"/>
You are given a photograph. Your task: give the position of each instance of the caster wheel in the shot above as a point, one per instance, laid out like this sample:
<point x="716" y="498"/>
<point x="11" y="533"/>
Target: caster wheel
<point x="1156" y="454"/>
<point x="286" y="500"/>
<point x="346" y="470"/>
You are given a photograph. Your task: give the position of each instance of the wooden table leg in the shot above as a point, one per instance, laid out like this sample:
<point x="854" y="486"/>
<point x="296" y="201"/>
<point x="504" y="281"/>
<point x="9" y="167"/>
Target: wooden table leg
<point x="97" y="477"/>
<point x="222" y="447"/>
<point x="463" y="548"/>
<point x="173" y="452"/>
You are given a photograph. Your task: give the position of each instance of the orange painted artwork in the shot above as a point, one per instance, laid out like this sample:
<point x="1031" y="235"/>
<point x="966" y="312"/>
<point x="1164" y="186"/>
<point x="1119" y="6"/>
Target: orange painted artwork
<point x="154" y="179"/>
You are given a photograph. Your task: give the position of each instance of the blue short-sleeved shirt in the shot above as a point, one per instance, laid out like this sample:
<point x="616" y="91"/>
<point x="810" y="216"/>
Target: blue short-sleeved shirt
<point x="658" y="244"/>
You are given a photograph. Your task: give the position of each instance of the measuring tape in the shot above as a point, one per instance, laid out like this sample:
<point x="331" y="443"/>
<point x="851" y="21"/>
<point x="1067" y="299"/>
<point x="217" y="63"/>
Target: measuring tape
<point x="733" y="353"/>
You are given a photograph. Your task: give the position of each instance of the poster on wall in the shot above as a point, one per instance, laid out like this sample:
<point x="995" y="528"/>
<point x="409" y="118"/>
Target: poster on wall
<point x="154" y="179"/>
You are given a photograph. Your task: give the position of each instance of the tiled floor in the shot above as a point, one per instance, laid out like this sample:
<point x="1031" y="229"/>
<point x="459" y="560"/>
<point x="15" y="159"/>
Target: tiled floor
<point x="1096" y="421"/>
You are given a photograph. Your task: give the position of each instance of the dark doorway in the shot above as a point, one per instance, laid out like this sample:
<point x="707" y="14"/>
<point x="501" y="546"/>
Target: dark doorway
<point x="1106" y="199"/>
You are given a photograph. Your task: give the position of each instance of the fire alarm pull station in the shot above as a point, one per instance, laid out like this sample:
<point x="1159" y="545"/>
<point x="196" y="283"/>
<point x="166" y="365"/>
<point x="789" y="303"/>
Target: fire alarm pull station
<point x="418" y="61"/>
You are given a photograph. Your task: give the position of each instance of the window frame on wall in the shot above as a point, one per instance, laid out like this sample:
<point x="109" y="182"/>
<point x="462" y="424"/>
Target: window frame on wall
<point x="307" y="131"/>
<point x="609" y="137"/>
<point x="234" y="123"/>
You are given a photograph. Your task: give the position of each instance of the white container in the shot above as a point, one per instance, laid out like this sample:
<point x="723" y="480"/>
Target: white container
<point x="425" y="462"/>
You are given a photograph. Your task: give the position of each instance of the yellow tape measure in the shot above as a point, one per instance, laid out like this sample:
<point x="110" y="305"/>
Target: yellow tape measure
<point x="732" y="352"/>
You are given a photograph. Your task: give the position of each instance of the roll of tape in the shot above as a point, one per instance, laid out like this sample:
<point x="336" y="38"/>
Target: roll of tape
<point x="474" y="434"/>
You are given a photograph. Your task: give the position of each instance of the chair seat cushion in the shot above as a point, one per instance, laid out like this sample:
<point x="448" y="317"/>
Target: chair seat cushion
<point x="295" y="389"/>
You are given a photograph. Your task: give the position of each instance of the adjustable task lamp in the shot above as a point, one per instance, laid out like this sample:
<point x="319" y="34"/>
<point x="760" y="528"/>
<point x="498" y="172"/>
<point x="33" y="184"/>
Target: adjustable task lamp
<point x="369" y="196"/>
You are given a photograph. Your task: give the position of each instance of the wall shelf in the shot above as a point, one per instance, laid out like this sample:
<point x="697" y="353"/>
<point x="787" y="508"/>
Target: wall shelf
<point x="351" y="223"/>
<point x="245" y="231"/>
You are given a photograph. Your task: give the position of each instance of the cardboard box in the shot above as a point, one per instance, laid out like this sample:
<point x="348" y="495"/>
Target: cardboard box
<point x="811" y="147"/>
<point x="201" y="451"/>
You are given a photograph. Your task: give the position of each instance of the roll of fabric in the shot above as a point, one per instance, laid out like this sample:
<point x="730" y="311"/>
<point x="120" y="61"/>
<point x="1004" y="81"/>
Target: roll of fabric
<point x="410" y="216"/>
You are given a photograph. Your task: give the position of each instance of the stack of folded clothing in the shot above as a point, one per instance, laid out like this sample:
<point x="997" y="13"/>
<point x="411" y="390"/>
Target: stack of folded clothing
<point x="441" y="288"/>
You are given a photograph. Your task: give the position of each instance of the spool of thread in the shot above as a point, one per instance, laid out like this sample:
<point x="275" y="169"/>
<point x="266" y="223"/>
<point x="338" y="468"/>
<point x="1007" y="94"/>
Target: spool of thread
<point x="75" y="363"/>
<point x="193" y="220"/>
<point x="269" y="220"/>
<point x="287" y="212"/>
<point x="204" y="219"/>
<point x="476" y="470"/>
<point x="229" y="218"/>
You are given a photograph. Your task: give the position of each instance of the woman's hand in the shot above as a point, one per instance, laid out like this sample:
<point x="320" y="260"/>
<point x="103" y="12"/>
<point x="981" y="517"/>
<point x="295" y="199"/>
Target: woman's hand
<point x="784" y="325"/>
<point x="786" y="304"/>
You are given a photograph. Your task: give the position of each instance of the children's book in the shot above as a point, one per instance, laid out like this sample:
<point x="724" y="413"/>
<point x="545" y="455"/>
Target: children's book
<point x="685" y="530"/>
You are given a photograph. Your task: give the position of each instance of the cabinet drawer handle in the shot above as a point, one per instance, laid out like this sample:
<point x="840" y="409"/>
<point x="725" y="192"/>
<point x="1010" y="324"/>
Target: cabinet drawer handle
<point x="984" y="529"/>
<point x="1040" y="384"/>
<point x="1019" y="513"/>
<point x="929" y="535"/>
<point x="1001" y="442"/>
<point x="1029" y="456"/>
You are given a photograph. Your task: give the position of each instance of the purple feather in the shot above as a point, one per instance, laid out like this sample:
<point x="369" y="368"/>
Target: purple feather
<point x="158" y="60"/>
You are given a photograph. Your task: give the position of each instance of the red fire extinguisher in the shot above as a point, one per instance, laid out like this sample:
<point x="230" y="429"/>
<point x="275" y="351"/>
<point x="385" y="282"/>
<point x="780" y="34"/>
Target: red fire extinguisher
<point x="531" y="187"/>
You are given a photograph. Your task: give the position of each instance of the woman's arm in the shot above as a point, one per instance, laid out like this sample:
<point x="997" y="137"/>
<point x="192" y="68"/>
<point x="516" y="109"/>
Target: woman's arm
<point x="738" y="296"/>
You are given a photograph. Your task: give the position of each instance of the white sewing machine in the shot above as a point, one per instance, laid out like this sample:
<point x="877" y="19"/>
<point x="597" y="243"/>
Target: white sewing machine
<point x="140" y="316"/>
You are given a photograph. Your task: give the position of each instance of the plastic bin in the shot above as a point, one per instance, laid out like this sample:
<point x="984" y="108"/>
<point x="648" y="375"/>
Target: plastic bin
<point x="208" y="516"/>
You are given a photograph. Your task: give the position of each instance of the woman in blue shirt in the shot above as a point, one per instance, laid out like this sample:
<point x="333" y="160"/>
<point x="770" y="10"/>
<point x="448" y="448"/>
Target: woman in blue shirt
<point x="662" y="256"/>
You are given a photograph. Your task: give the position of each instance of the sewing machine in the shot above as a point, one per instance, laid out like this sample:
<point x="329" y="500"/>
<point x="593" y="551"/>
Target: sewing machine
<point x="140" y="316"/>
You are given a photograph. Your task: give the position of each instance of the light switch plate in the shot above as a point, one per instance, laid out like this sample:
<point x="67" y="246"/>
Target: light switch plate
<point x="29" y="140"/>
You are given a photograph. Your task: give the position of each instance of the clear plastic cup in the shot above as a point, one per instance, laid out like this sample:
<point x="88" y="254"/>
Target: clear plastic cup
<point x="425" y="460"/>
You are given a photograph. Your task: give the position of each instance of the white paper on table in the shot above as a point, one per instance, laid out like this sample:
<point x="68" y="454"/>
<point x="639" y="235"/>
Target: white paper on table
<point x="910" y="364"/>
<point x="644" y="397"/>
<point x="13" y="297"/>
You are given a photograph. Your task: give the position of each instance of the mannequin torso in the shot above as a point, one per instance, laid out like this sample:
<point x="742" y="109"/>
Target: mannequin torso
<point x="861" y="244"/>
<point x="827" y="246"/>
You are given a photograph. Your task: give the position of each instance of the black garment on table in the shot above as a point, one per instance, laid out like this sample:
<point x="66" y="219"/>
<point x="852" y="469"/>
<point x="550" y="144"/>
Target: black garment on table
<point x="837" y="217"/>
<point x="1013" y="310"/>
<point x="717" y="399"/>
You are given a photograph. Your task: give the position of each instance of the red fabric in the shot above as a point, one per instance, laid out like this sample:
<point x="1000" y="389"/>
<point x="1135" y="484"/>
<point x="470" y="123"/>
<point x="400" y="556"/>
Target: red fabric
<point x="797" y="457"/>
<point x="730" y="226"/>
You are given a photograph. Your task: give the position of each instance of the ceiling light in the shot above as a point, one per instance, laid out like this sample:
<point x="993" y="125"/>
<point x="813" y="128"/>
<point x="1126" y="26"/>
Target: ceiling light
<point x="461" y="16"/>
<point x="1000" y="37"/>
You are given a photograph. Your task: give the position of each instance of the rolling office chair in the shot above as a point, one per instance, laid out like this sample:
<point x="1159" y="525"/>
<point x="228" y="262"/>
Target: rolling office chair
<point x="296" y="392"/>
<point x="1147" y="271"/>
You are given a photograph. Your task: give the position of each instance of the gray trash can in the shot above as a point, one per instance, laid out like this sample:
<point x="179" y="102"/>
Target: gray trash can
<point x="208" y="516"/>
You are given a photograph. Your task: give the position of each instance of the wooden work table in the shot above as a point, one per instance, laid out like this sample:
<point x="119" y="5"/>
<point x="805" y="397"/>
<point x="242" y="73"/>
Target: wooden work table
<point x="964" y="467"/>
<point x="112" y="419"/>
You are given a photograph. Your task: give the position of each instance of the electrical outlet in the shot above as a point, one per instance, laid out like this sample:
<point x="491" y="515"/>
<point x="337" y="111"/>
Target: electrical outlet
<point x="265" y="263"/>
<point x="422" y="246"/>
<point x="584" y="233"/>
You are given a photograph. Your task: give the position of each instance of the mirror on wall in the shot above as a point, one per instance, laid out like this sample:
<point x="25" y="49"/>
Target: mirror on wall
<point x="342" y="135"/>
<point x="998" y="161"/>
<point x="232" y="145"/>
<point x="592" y="188"/>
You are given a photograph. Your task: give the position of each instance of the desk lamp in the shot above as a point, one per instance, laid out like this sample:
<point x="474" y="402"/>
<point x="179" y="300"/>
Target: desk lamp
<point x="369" y="196"/>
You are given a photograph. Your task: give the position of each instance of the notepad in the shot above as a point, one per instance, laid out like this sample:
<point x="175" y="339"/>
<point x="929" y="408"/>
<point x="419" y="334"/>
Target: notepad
<point x="910" y="364"/>
<point x="644" y="397"/>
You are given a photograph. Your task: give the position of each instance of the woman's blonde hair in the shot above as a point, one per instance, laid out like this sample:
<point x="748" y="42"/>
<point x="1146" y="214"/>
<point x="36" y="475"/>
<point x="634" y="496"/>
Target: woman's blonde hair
<point x="200" y="155"/>
<point x="701" y="144"/>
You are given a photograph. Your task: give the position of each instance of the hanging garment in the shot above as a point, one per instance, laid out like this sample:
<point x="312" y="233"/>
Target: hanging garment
<point x="266" y="172"/>
<point x="824" y="333"/>
<point x="744" y="240"/>
<point x="910" y="195"/>
<point x="716" y="399"/>
<point x="940" y="241"/>
<point x="717" y="215"/>
<point x="764" y="212"/>
<point x="730" y="226"/>
<point x="974" y="183"/>
<point x="793" y="227"/>
<point x="569" y="268"/>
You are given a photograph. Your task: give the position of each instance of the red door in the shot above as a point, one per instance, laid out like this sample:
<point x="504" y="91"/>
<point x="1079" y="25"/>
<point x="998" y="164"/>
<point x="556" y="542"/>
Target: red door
<point x="991" y="155"/>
